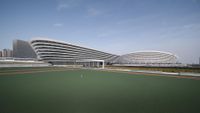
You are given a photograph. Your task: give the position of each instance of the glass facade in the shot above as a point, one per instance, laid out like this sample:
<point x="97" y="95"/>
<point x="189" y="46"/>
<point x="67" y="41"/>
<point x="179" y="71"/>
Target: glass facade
<point x="22" y="49"/>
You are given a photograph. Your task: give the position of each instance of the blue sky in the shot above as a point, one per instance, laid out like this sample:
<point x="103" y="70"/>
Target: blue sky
<point x="115" y="26"/>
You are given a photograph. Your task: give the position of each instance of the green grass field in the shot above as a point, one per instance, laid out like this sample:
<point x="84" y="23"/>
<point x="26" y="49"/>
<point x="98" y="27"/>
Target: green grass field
<point x="26" y="90"/>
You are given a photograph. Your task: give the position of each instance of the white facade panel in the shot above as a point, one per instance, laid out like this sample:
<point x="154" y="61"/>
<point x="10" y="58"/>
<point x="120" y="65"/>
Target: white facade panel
<point x="50" y="51"/>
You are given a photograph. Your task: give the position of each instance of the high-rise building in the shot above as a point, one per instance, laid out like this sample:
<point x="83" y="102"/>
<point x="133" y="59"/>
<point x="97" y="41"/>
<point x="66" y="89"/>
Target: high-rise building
<point x="22" y="49"/>
<point x="7" y="53"/>
<point x="0" y="53"/>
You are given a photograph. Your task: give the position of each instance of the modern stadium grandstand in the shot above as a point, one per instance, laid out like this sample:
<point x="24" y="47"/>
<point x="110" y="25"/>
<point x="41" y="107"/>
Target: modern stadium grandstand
<point x="62" y="53"/>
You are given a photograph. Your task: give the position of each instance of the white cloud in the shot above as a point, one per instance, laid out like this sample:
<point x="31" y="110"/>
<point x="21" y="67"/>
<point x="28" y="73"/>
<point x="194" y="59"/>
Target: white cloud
<point x="66" y="4"/>
<point x="58" y="25"/>
<point x="62" y="6"/>
<point x="94" y="12"/>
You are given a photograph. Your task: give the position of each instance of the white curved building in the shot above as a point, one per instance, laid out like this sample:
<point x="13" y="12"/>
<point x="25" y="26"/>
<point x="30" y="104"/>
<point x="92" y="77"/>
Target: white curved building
<point x="62" y="53"/>
<point x="57" y="52"/>
<point x="148" y="57"/>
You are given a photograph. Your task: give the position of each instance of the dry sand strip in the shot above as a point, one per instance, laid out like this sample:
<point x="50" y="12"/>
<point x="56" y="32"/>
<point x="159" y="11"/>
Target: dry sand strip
<point x="33" y="71"/>
<point x="156" y="74"/>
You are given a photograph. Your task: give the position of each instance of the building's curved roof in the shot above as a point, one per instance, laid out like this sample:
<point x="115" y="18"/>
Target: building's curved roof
<point x="152" y="51"/>
<point x="60" y="41"/>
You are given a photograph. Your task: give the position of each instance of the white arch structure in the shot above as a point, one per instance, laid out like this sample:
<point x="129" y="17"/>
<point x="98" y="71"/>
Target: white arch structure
<point x="148" y="57"/>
